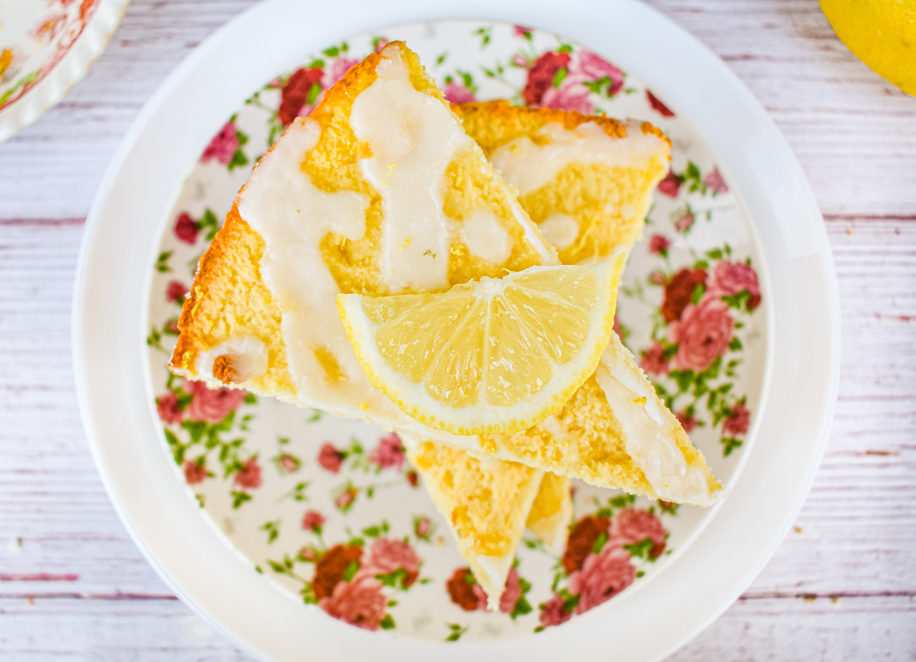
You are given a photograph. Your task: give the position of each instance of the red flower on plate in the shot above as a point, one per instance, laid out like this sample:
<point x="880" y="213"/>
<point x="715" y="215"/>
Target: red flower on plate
<point x="336" y="71"/>
<point x="685" y="222"/>
<point x="330" y="458"/>
<point x="568" y="96"/>
<point x="659" y="244"/>
<point x="633" y="525"/>
<point x="387" y="556"/>
<point x="688" y="422"/>
<point x="729" y="278"/>
<point x="296" y="92"/>
<point x="249" y="476"/>
<point x="465" y="591"/>
<point x="654" y="361"/>
<point x="332" y="566"/>
<point x="702" y="334"/>
<point x="658" y="105"/>
<point x="679" y="292"/>
<point x="541" y="75"/>
<point x="360" y="602"/>
<point x="288" y="462"/>
<point x="457" y="93"/>
<point x="193" y="472"/>
<point x="582" y="539"/>
<point x="176" y="291"/>
<point x="185" y="228"/>
<point x="212" y="404"/>
<point x="593" y="67"/>
<point x="738" y="421"/>
<point x="511" y="593"/>
<point x="345" y="498"/>
<point x="602" y="577"/>
<point x="312" y="521"/>
<point x="553" y="612"/>
<point x="223" y="145"/>
<point x="715" y="182"/>
<point x="388" y="453"/>
<point x="168" y="409"/>
<point x="670" y="185"/>
<point x="422" y="527"/>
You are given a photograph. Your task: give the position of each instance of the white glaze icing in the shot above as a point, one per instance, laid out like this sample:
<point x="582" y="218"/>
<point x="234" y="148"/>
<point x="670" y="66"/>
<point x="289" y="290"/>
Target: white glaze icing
<point x="282" y="205"/>
<point x="560" y="230"/>
<point x="248" y="354"/>
<point x="646" y="430"/>
<point x="528" y="166"/>
<point x="485" y="237"/>
<point x="413" y="138"/>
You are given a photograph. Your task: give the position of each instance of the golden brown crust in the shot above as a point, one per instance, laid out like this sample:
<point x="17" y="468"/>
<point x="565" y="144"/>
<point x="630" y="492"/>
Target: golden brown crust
<point x="516" y="121"/>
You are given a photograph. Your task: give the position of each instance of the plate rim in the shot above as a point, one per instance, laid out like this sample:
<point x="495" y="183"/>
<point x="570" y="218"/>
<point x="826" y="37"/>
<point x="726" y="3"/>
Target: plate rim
<point x="140" y="520"/>
<point x="67" y="72"/>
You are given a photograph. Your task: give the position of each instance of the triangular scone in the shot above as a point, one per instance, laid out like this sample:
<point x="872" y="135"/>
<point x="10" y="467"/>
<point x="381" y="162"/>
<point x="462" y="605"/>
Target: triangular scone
<point x="486" y="503"/>
<point x="587" y="181"/>
<point x="551" y="512"/>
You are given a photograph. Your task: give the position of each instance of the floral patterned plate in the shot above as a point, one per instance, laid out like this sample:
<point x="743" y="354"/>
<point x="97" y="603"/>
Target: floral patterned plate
<point x="324" y="523"/>
<point x="46" y="46"/>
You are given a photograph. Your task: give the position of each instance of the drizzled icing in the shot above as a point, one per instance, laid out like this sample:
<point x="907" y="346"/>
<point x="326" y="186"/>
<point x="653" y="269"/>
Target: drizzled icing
<point x="485" y="237"/>
<point x="647" y="431"/>
<point x="528" y="166"/>
<point x="560" y="230"/>
<point x="247" y="353"/>
<point x="282" y="205"/>
<point x="413" y="138"/>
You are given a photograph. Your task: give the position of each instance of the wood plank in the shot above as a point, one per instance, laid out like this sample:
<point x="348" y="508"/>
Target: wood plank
<point x="860" y="628"/>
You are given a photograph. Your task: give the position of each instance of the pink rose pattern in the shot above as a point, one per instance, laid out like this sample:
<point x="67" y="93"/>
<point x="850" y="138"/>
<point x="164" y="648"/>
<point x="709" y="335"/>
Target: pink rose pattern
<point x="223" y="145"/>
<point x="694" y="338"/>
<point x="360" y="602"/>
<point x="212" y="404"/>
<point x="457" y="93"/>
<point x="388" y="453"/>
<point x="601" y="558"/>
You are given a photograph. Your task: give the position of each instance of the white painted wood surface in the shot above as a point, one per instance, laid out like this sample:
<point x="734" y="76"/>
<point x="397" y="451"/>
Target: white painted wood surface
<point x="842" y="586"/>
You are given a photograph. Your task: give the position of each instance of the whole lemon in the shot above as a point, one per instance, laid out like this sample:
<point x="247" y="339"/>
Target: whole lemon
<point x="881" y="33"/>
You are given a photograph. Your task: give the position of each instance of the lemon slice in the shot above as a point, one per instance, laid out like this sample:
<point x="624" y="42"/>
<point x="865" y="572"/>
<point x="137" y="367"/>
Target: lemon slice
<point x="494" y="355"/>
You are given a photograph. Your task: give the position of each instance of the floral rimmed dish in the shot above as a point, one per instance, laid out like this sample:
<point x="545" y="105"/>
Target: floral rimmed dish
<point x="702" y="576"/>
<point x="313" y="501"/>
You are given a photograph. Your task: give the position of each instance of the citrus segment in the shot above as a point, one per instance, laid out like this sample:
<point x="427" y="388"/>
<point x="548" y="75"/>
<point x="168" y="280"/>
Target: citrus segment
<point x="494" y="355"/>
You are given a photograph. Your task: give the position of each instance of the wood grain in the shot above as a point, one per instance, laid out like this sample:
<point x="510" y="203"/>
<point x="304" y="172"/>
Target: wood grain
<point x="841" y="586"/>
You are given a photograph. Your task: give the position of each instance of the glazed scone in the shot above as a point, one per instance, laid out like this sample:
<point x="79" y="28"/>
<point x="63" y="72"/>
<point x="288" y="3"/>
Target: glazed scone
<point x="587" y="181"/>
<point x="486" y="503"/>
<point x="315" y="219"/>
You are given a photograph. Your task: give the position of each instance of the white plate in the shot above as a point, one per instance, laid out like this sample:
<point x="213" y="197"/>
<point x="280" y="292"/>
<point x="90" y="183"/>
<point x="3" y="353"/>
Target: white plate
<point x="113" y="374"/>
<point x="53" y="45"/>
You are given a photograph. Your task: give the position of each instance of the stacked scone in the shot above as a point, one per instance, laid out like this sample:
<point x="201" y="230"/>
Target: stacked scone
<point x="451" y="274"/>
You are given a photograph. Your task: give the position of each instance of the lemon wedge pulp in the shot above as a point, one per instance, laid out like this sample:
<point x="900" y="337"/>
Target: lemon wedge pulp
<point x="494" y="355"/>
